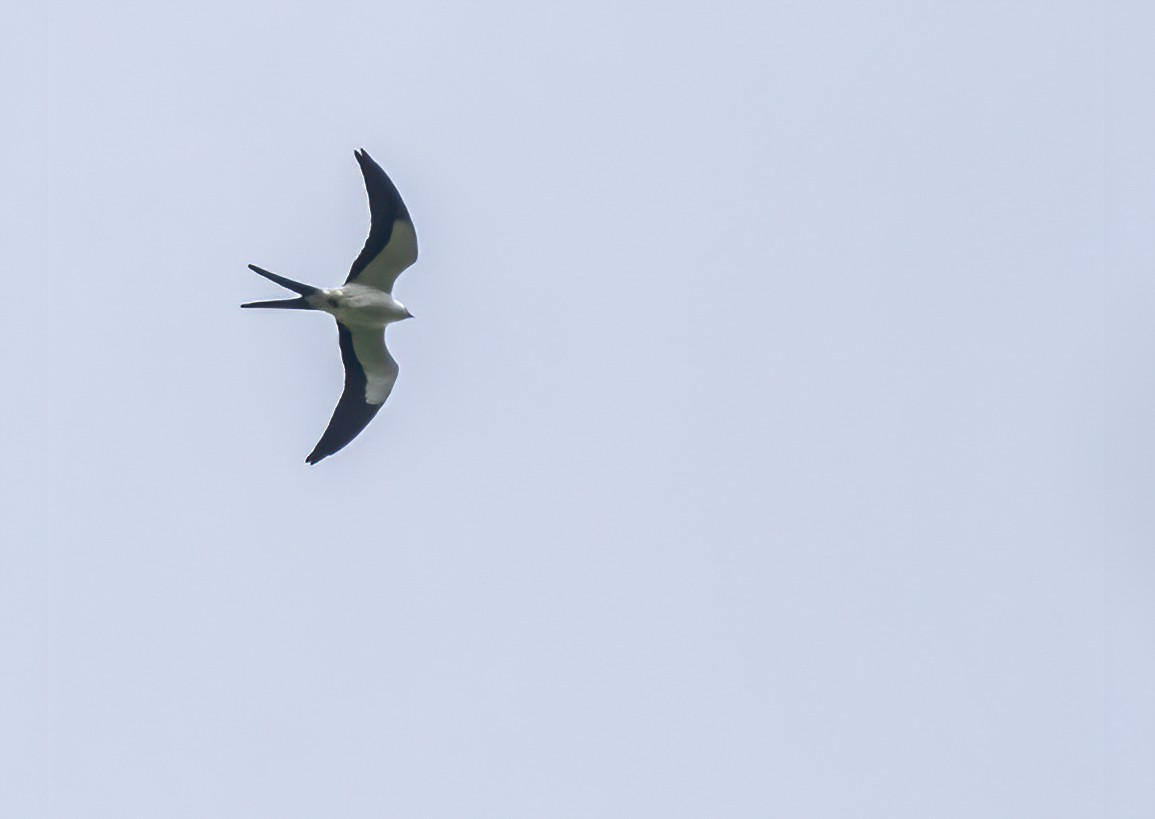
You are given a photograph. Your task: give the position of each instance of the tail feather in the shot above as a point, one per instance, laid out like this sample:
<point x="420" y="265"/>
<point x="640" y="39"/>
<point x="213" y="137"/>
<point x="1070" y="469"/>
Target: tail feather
<point x="284" y="304"/>
<point x="296" y="287"/>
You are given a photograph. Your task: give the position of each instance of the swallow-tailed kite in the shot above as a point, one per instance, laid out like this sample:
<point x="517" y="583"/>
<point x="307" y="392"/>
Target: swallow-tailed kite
<point x="363" y="307"/>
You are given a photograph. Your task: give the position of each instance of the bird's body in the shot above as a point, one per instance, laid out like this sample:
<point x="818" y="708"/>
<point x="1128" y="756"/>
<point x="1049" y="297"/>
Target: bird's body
<point x="360" y="306"/>
<point x="363" y="307"/>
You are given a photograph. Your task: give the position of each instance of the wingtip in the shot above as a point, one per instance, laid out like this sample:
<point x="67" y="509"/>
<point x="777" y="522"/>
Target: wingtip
<point x="316" y="456"/>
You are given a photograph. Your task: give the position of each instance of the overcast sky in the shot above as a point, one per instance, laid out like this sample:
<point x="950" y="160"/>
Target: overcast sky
<point x="774" y="437"/>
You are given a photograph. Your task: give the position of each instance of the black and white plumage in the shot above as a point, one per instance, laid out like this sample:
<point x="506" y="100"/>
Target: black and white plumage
<point x="363" y="307"/>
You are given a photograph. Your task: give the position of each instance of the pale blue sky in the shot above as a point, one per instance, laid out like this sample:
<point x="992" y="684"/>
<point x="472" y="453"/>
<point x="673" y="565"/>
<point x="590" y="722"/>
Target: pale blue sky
<point x="758" y="449"/>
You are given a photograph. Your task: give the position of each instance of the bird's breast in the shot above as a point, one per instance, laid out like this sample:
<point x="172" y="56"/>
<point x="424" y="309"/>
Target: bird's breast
<point x="359" y="306"/>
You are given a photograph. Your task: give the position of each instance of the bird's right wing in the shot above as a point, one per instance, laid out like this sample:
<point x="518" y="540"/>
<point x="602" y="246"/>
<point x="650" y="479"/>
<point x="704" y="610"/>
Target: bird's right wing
<point x="370" y="373"/>
<point x="392" y="243"/>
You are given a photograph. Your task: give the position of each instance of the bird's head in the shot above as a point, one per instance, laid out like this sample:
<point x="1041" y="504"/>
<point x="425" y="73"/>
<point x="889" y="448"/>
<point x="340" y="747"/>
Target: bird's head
<point x="398" y="311"/>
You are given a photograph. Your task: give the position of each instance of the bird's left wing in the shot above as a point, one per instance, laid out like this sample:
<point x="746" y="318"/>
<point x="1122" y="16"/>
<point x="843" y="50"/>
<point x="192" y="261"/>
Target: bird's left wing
<point x="370" y="373"/>
<point x="392" y="243"/>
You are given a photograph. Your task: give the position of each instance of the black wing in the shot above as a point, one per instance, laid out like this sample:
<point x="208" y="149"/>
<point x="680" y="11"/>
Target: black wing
<point x="392" y="243"/>
<point x="370" y="373"/>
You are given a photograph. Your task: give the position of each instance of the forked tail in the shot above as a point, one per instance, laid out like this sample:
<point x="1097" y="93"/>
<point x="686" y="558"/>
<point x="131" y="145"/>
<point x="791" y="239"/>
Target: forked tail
<point x="301" y="303"/>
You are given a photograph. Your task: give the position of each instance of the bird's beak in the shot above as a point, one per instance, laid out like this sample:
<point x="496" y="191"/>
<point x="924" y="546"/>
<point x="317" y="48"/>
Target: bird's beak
<point x="407" y="313"/>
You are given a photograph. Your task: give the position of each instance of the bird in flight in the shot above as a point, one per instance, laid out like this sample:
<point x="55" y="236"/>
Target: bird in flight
<point x="363" y="307"/>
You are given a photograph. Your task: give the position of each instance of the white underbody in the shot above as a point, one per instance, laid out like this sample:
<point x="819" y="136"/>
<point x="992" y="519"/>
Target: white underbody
<point x="359" y="306"/>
